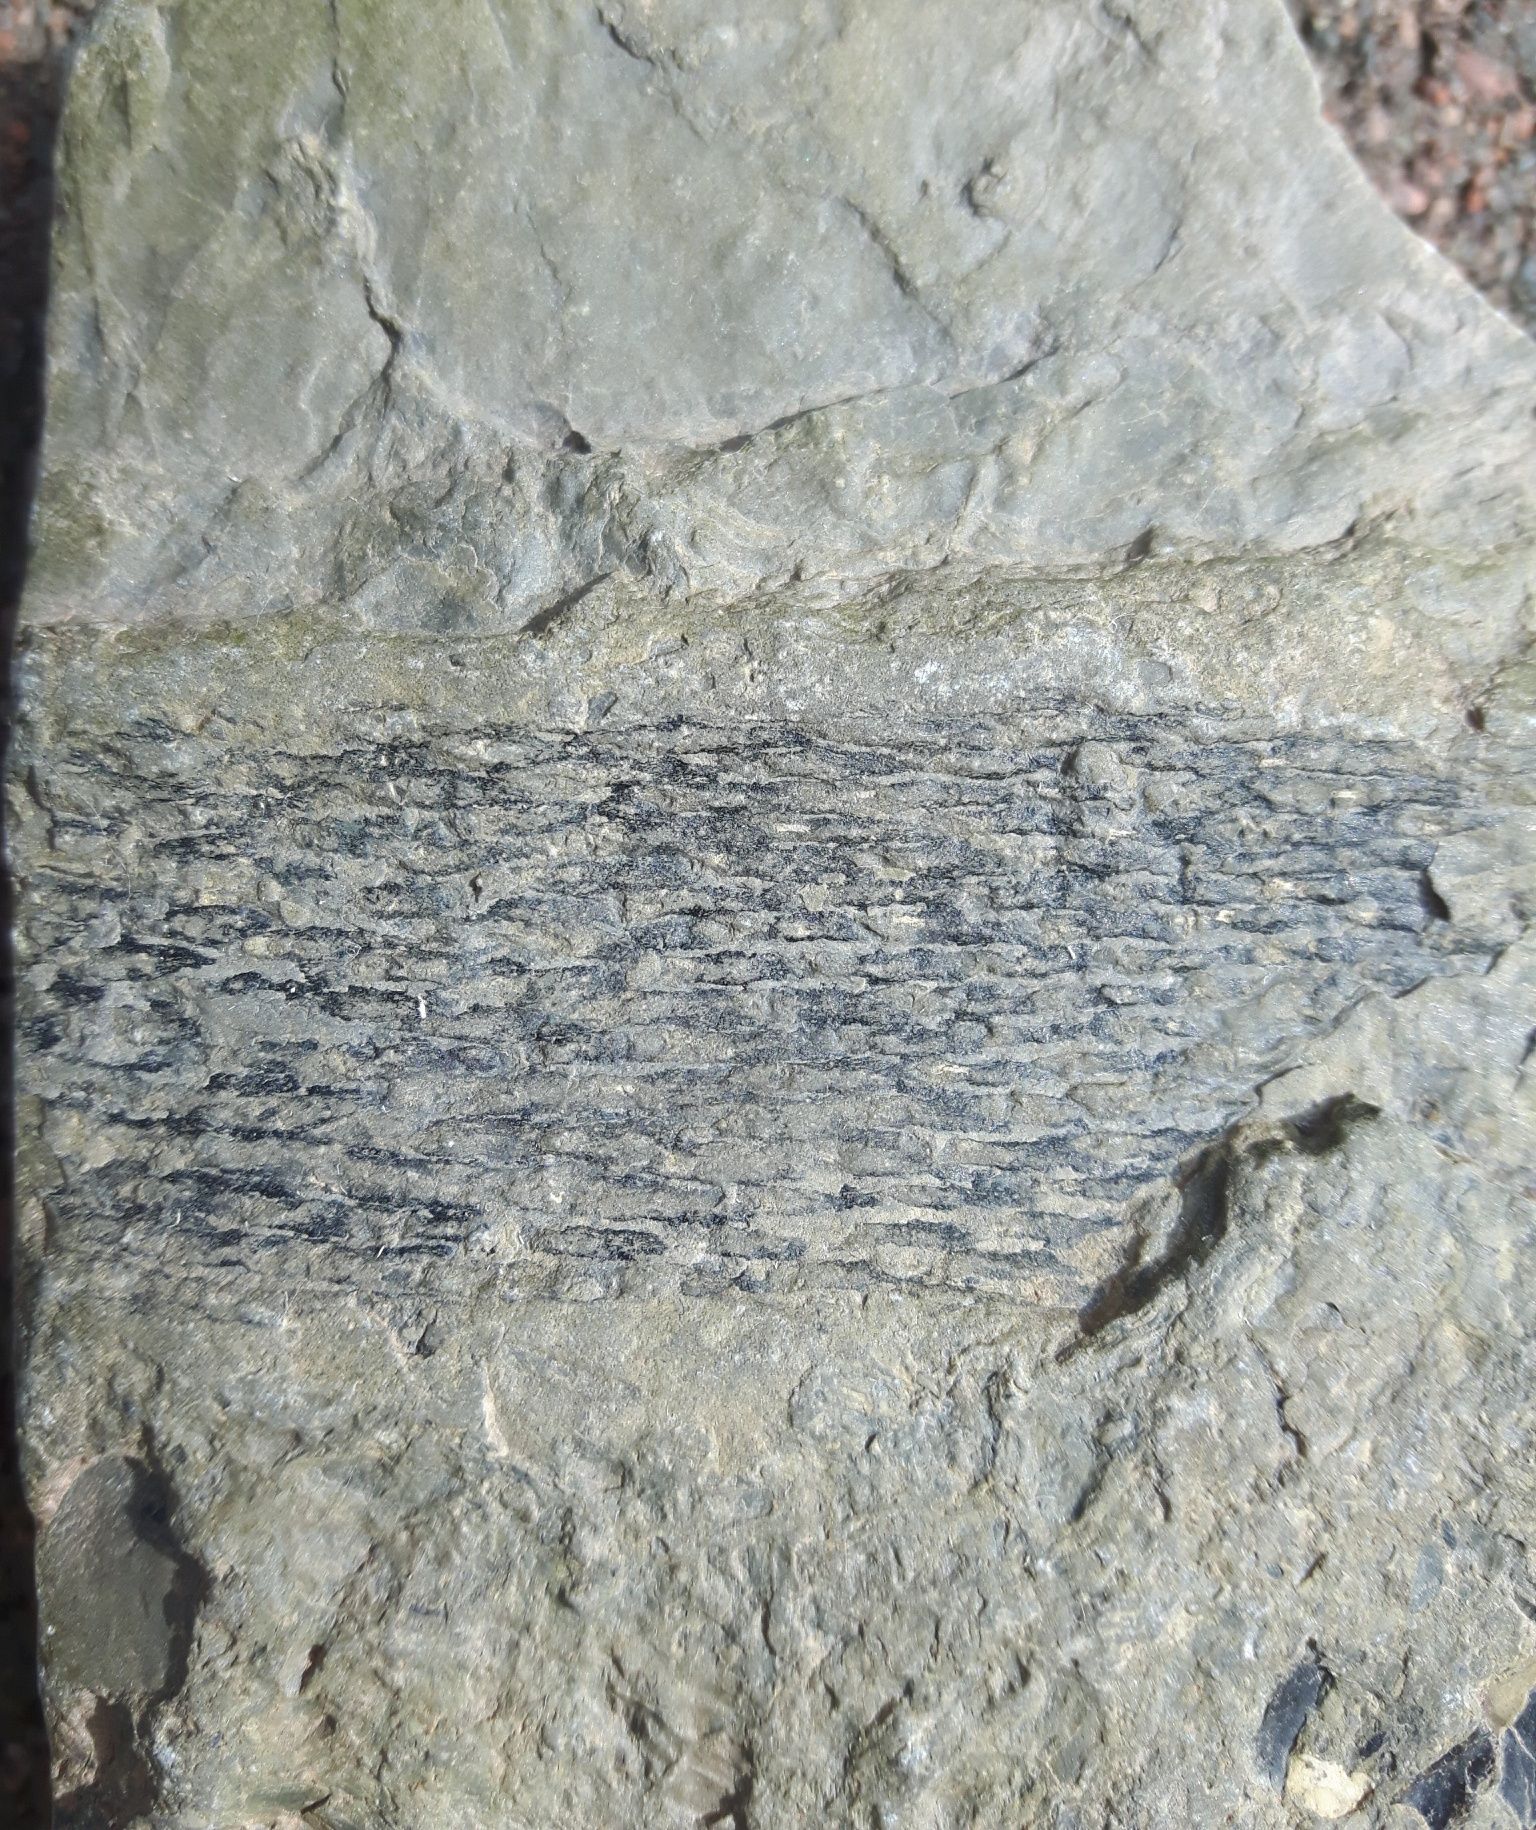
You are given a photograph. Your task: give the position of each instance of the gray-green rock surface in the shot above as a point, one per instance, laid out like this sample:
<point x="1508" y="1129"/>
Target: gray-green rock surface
<point x="774" y="836"/>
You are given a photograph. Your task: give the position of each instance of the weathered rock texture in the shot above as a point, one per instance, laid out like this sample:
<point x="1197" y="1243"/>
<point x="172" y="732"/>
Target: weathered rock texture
<point x="774" y="833"/>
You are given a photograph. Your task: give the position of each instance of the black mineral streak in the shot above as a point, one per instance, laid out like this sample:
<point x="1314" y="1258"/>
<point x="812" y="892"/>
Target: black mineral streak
<point x="1285" y="1715"/>
<point x="1443" y="1791"/>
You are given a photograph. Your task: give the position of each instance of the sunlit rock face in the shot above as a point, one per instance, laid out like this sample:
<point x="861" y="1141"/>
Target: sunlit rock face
<point x="772" y="838"/>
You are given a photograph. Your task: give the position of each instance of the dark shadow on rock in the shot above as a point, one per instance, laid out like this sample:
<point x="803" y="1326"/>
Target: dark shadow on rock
<point x="151" y="1512"/>
<point x="125" y="1601"/>
<point x="123" y="1788"/>
<point x="1203" y="1185"/>
<point x="29" y="96"/>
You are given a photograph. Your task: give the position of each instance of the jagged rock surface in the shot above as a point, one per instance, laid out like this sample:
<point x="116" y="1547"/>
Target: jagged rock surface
<point x="774" y="843"/>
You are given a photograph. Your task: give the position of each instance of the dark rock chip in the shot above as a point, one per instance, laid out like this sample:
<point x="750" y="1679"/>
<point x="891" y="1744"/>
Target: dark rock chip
<point x="1517" y="1784"/>
<point x="1443" y="1791"/>
<point x="1285" y="1716"/>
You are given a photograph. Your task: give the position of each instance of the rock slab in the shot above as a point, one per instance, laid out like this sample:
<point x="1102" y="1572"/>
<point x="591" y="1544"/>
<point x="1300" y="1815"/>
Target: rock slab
<point x="773" y="835"/>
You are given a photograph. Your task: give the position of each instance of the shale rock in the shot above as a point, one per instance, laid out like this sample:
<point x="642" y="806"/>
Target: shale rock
<point x="774" y="841"/>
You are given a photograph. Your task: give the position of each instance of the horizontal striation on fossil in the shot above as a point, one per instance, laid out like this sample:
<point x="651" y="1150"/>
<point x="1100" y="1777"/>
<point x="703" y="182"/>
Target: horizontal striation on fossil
<point x="693" y="1006"/>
